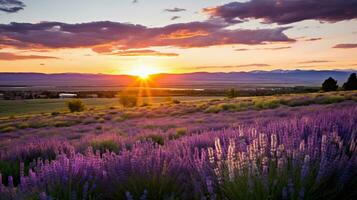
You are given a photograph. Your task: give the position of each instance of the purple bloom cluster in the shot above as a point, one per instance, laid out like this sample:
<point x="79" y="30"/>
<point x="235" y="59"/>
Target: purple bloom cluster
<point x="313" y="156"/>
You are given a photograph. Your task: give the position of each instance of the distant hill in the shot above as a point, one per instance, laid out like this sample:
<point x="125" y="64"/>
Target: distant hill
<point x="187" y="80"/>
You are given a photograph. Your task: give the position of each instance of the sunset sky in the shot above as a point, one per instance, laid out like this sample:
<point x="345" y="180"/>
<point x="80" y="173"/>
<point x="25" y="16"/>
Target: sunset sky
<point x="176" y="36"/>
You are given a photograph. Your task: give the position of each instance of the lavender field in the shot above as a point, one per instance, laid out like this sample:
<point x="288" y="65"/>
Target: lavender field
<point x="281" y="147"/>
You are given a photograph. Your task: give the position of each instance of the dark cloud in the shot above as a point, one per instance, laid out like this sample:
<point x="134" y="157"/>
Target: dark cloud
<point x="109" y="36"/>
<point x="315" y="61"/>
<point x="175" y="9"/>
<point x="142" y="53"/>
<point x="313" y="39"/>
<point x="175" y="17"/>
<point x="286" y="11"/>
<point x="11" y="57"/>
<point x="135" y="1"/>
<point x="11" y="6"/>
<point x="345" y="46"/>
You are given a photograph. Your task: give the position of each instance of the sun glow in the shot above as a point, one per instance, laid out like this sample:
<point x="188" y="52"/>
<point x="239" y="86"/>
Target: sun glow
<point x="144" y="72"/>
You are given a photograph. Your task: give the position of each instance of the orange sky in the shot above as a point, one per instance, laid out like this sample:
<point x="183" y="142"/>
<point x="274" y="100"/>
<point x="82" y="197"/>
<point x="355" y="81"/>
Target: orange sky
<point x="194" y="41"/>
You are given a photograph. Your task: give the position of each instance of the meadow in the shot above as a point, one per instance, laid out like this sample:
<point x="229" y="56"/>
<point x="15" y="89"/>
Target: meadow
<point x="297" y="146"/>
<point x="39" y="106"/>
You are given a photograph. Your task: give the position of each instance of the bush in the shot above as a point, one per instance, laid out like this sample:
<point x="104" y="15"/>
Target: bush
<point x="7" y="129"/>
<point x="76" y="105"/>
<point x="55" y="113"/>
<point x="105" y="145"/>
<point x="155" y="138"/>
<point x="266" y="104"/>
<point x="232" y="93"/>
<point x="128" y="100"/>
<point x="351" y="83"/>
<point x="175" y="101"/>
<point x="329" y="84"/>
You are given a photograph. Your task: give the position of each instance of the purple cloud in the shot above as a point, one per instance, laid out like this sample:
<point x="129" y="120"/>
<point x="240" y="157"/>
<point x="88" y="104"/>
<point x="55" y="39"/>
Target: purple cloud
<point x="144" y="52"/>
<point x="11" y="6"/>
<point x="109" y="36"/>
<point x="286" y="11"/>
<point x="11" y="57"/>
<point x="315" y="61"/>
<point x="345" y="46"/>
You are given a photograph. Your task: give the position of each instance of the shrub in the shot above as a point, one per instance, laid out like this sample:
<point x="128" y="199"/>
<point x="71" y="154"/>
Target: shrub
<point x="7" y="129"/>
<point x="266" y="104"/>
<point x="232" y="93"/>
<point x="22" y="125"/>
<point x="105" y="145"/>
<point x="175" y="101"/>
<point x="329" y="99"/>
<point x="181" y="131"/>
<point x="351" y="83"/>
<point x="128" y="100"/>
<point x="76" y="105"/>
<point x="329" y="84"/>
<point x="55" y="113"/>
<point x="155" y="138"/>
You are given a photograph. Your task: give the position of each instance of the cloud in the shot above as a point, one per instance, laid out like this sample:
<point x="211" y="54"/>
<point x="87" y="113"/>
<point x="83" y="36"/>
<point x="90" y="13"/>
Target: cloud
<point x="286" y="11"/>
<point x="345" y="46"/>
<point x="315" y="61"/>
<point x="106" y="36"/>
<point x="11" y="6"/>
<point x="10" y="57"/>
<point x="267" y="48"/>
<point x="175" y="17"/>
<point x="142" y="53"/>
<point x="135" y="1"/>
<point x="313" y="39"/>
<point x="175" y="9"/>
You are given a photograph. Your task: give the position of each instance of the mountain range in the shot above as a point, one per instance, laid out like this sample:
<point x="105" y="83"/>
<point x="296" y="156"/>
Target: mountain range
<point x="279" y="78"/>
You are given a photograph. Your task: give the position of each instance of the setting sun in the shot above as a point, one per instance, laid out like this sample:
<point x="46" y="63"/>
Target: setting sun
<point x="144" y="72"/>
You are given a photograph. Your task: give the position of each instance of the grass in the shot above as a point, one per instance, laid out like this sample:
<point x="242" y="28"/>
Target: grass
<point x="37" y="106"/>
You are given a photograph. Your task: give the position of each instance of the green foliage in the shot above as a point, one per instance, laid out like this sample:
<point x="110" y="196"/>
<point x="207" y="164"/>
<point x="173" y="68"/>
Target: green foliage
<point x="156" y="186"/>
<point x="105" y="145"/>
<point x="22" y="125"/>
<point x="10" y="168"/>
<point x="127" y="100"/>
<point x="55" y="113"/>
<point x="232" y="93"/>
<point x="76" y="105"/>
<point x="180" y="132"/>
<point x="329" y="84"/>
<point x="155" y="138"/>
<point x="351" y="83"/>
<point x="175" y="101"/>
<point x="6" y="129"/>
<point x="266" y="103"/>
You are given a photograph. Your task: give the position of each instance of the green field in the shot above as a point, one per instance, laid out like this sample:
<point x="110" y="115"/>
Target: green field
<point x="38" y="106"/>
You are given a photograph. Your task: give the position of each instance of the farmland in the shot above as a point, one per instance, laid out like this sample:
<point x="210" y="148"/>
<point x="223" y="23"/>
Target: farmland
<point x="278" y="147"/>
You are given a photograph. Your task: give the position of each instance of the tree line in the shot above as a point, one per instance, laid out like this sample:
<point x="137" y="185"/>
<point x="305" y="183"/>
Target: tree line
<point x="330" y="84"/>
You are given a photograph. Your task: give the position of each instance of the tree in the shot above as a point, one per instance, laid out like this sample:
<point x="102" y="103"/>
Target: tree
<point x="329" y="84"/>
<point x="351" y="83"/>
<point x="128" y="100"/>
<point x="232" y="93"/>
<point x="76" y="105"/>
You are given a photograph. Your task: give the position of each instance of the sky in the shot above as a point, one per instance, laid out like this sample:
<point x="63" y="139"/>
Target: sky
<point x="176" y="36"/>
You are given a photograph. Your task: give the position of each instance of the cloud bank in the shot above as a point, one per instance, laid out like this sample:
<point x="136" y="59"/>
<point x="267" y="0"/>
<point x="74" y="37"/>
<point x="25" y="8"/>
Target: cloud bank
<point x="286" y="11"/>
<point x="106" y="36"/>
<point x="10" y="57"/>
